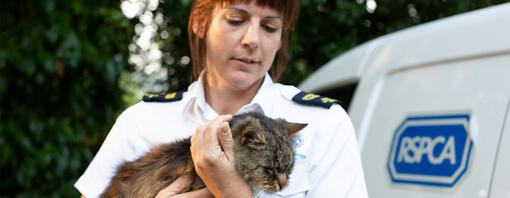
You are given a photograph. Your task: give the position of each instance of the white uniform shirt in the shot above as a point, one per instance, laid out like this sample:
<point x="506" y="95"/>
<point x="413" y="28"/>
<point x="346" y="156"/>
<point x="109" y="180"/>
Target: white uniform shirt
<point x="327" y="162"/>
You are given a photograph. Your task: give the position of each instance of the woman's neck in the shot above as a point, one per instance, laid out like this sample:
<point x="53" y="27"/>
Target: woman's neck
<point x="226" y="100"/>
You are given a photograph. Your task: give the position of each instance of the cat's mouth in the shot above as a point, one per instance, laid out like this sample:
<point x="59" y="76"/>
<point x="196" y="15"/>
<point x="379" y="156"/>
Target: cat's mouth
<point x="275" y="186"/>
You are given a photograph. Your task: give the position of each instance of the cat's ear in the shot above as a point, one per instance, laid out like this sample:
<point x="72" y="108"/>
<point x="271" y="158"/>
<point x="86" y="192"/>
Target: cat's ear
<point x="250" y="132"/>
<point x="292" y="128"/>
<point x="253" y="136"/>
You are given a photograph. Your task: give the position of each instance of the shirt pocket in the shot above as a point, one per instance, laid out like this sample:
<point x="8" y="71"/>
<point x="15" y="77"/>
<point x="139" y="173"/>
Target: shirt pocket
<point x="298" y="183"/>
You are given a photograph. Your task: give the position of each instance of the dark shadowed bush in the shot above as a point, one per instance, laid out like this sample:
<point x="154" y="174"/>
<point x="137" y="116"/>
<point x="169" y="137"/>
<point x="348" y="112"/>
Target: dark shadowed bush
<point x="59" y="66"/>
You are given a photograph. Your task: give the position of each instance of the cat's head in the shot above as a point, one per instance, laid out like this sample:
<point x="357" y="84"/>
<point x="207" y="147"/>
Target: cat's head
<point x="264" y="149"/>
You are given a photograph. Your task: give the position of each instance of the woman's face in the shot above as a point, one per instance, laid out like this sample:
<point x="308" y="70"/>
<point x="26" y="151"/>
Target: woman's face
<point x="241" y="43"/>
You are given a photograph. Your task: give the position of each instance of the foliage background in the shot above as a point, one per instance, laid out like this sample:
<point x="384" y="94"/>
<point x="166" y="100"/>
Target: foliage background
<point x="66" y="73"/>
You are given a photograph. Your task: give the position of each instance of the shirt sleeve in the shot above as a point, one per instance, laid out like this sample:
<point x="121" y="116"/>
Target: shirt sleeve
<point x="337" y="170"/>
<point x="115" y="150"/>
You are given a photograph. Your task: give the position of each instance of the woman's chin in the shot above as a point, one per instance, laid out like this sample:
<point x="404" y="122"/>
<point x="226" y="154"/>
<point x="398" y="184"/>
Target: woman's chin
<point x="243" y="81"/>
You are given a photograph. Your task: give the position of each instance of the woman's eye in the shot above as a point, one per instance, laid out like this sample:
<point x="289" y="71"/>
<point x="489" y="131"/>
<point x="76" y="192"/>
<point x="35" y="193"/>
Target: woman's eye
<point x="235" y="21"/>
<point x="269" y="28"/>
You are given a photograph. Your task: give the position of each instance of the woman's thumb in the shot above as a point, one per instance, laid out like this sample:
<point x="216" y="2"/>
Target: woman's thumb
<point x="226" y="141"/>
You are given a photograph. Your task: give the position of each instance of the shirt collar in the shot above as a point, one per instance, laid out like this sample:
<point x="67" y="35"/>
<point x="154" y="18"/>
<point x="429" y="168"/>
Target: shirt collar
<point x="264" y="99"/>
<point x="194" y="98"/>
<point x="194" y="103"/>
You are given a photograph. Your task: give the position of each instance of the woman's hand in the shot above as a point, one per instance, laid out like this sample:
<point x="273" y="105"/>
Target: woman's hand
<point x="180" y="184"/>
<point x="213" y="155"/>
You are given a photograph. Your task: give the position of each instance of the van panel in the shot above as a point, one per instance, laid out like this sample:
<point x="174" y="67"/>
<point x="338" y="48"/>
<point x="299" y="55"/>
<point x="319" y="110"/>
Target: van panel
<point x="472" y="35"/>
<point x="501" y="176"/>
<point x="478" y="87"/>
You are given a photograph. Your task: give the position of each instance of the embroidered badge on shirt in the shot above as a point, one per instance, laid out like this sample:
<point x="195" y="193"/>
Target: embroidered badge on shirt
<point x="169" y="97"/>
<point x="300" y="156"/>
<point x="298" y="142"/>
<point x="314" y="99"/>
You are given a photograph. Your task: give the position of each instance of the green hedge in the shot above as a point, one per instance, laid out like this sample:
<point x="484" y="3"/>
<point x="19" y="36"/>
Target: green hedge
<point x="59" y="66"/>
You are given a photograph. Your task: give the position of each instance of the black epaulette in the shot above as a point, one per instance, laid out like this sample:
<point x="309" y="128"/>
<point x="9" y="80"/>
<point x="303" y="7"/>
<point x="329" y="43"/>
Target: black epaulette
<point x="169" y="97"/>
<point x="314" y="100"/>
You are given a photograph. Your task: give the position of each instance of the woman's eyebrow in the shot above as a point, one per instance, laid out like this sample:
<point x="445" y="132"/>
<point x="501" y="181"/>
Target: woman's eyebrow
<point x="273" y="17"/>
<point x="246" y="12"/>
<point x="238" y="9"/>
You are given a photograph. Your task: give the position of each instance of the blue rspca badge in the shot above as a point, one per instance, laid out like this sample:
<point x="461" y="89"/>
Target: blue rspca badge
<point x="314" y="100"/>
<point x="298" y="142"/>
<point x="169" y="97"/>
<point x="430" y="150"/>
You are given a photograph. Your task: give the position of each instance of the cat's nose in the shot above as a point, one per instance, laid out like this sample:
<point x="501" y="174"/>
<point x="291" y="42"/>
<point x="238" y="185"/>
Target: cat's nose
<point x="282" y="181"/>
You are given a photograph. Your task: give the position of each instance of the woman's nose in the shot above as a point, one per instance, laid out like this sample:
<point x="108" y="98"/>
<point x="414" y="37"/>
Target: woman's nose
<point x="251" y="38"/>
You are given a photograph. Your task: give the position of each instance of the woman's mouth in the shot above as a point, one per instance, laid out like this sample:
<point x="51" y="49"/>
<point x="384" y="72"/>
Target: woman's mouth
<point x="247" y="61"/>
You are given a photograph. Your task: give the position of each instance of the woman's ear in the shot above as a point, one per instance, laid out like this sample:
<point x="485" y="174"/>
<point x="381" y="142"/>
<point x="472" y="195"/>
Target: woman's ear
<point x="199" y="26"/>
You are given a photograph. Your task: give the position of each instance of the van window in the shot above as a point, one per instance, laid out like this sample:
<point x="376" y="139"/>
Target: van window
<point x="343" y="93"/>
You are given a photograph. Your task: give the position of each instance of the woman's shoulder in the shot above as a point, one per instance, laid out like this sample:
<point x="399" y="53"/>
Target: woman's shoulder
<point x="154" y="121"/>
<point x="307" y="100"/>
<point x="298" y="103"/>
<point x="153" y="106"/>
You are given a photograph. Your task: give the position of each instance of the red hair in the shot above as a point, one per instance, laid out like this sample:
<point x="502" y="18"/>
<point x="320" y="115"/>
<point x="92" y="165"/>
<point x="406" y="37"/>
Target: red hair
<point x="202" y="10"/>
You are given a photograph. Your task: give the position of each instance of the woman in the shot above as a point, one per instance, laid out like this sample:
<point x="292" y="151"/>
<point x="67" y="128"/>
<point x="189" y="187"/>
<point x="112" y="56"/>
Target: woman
<point x="236" y="42"/>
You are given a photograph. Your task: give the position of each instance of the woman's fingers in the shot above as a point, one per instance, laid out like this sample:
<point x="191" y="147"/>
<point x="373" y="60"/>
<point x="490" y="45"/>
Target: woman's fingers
<point x="204" y="143"/>
<point x="202" y="193"/>
<point x="224" y="136"/>
<point x="179" y="185"/>
<point x="197" y="141"/>
<point x="211" y="142"/>
<point x="210" y="154"/>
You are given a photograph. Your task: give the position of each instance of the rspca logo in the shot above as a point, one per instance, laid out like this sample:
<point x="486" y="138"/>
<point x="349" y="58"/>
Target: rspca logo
<point x="298" y="142"/>
<point x="431" y="150"/>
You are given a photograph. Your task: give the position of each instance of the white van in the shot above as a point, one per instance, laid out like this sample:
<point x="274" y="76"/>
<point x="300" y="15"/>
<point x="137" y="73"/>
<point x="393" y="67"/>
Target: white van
<point x="430" y="106"/>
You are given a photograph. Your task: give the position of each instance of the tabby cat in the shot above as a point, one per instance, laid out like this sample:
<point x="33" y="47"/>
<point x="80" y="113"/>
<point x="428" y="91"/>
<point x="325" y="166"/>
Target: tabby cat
<point x="264" y="157"/>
